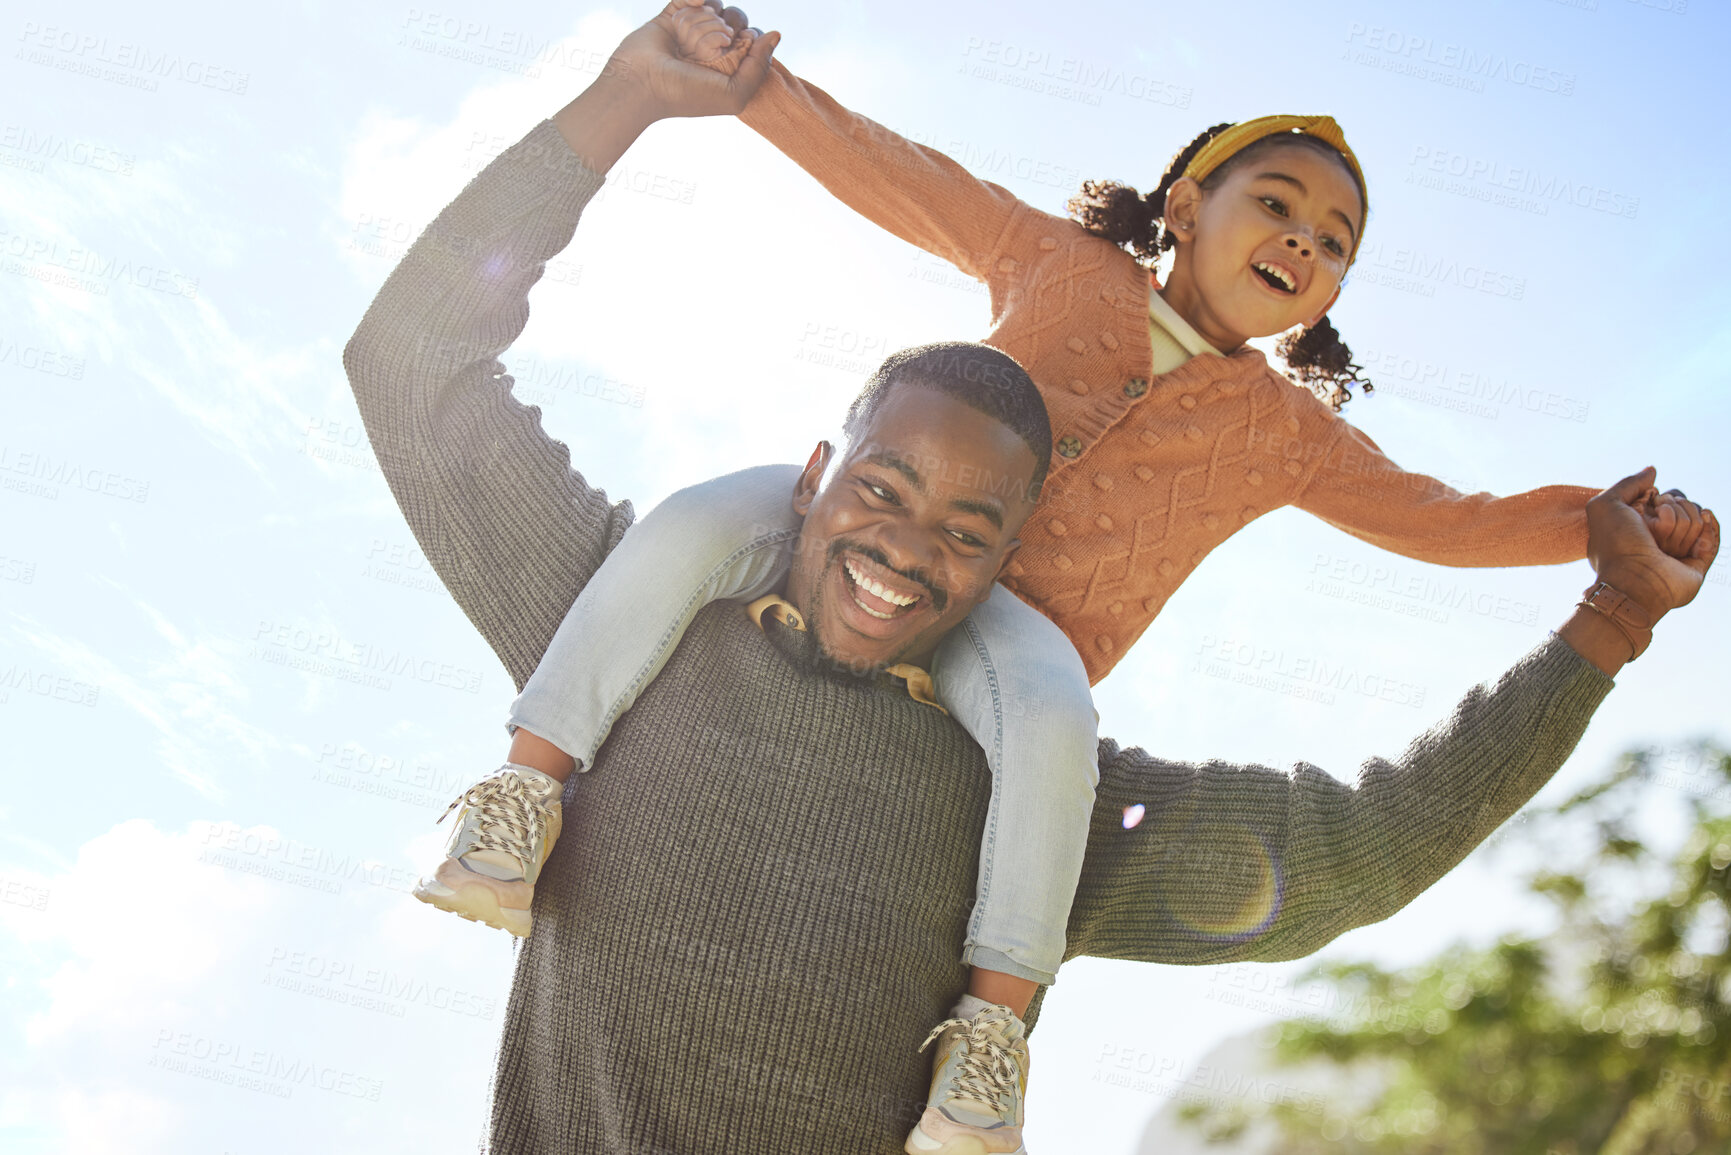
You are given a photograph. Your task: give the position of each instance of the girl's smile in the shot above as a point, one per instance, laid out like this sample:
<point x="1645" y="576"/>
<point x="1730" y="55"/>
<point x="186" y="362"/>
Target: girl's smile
<point x="1266" y="248"/>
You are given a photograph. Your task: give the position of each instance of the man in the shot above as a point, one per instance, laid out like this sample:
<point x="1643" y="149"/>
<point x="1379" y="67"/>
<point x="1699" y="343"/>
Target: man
<point x="779" y="815"/>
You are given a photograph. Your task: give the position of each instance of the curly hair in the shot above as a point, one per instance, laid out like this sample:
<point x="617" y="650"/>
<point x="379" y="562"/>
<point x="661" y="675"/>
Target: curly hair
<point x="1315" y="357"/>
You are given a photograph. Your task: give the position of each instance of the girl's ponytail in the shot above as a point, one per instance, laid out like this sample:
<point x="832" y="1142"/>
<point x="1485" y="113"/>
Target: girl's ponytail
<point x="1317" y="357"/>
<point x="1118" y="213"/>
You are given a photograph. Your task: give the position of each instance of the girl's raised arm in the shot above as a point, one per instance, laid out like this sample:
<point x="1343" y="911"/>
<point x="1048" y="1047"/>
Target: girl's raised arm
<point x="1358" y="489"/>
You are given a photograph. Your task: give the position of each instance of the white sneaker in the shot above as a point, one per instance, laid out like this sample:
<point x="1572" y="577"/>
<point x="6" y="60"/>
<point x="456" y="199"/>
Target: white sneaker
<point x="504" y="833"/>
<point x="979" y="1080"/>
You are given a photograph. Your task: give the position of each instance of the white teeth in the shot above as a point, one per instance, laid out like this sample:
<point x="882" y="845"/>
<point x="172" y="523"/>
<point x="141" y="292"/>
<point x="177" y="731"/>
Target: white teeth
<point x="1284" y="277"/>
<point x="878" y="589"/>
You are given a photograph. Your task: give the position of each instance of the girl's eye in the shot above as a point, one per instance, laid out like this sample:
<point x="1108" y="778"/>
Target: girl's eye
<point x="1274" y="205"/>
<point x="1334" y="246"/>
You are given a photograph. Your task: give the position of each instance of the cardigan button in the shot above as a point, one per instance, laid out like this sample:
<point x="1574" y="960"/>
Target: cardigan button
<point x="1211" y="521"/>
<point x="1194" y="433"/>
<point x="1292" y="425"/>
<point x="1058" y="528"/>
<point x="1115" y="608"/>
<point x="1254" y="477"/>
<point x="1151" y="605"/>
<point x="1076" y="345"/>
<point x="1047" y="244"/>
<point x="1061" y="563"/>
<point x="1227" y="388"/>
<point x="1102" y="481"/>
<point x="1293" y="469"/>
<point x="1143" y="473"/>
<point x="1078" y="386"/>
<point x="1247" y="514"/>
<point x="1136" y="386"/>
<point x="1104" y="643"/>
<point x="1148" y="437"/>
<point x="1110" y="340"/>
<point x="1069" y="446"/>
<point x="1187" y="401"/>
<point x="1104" y="523"/>
<point x="1165" y="568"/>
<point x="1006" y="264"/>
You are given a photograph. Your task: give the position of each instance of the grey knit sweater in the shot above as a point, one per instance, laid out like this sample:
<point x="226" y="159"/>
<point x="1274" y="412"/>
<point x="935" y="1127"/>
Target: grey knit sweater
<point x="756" y="908"/>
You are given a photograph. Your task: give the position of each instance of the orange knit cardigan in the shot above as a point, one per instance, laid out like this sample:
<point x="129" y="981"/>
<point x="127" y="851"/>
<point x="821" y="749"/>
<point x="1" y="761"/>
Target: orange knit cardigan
<point x="1149" y="473"/>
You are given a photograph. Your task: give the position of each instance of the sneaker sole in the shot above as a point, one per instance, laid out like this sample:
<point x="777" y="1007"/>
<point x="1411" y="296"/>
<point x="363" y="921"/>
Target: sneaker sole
<point x="919" y="1143"/>
<point x="476" y="903"/>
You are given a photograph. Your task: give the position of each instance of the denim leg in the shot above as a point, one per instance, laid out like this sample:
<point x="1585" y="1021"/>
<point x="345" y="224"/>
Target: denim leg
<point x="1016" y="683"/>
<point x="727" y="538"/>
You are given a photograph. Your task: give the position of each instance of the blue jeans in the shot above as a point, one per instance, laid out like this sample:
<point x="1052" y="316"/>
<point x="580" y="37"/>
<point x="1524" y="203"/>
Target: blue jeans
<point x="1007" y="675"/>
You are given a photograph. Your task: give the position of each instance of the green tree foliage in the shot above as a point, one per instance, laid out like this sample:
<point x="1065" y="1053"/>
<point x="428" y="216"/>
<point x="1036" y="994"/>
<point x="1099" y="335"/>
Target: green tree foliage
<point x="1608" y="1037"/>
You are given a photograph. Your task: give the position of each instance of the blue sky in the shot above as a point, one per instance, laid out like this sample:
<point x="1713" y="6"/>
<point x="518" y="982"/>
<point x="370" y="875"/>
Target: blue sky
<point x="210" y="824"/>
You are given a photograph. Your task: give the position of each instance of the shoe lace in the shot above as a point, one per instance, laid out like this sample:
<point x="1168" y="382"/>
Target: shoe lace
<point x="987" y="1072"/>
<point x="508" y="814"/>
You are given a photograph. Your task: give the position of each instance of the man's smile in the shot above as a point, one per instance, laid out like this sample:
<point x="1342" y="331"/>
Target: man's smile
<point x="881" y="599"/>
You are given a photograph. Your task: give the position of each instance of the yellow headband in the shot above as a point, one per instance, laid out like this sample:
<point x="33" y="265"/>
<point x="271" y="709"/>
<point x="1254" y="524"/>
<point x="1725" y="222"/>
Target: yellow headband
<point x="1232" y="141"/>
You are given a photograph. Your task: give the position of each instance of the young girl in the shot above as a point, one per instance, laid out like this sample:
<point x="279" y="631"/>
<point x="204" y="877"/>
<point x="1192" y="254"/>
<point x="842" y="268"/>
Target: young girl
<point x="1170" y="434"/>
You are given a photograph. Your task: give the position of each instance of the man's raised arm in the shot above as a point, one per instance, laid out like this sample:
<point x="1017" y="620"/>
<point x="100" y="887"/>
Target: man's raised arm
<point x="1232" y="862"/>
<point x="512" y="530"/>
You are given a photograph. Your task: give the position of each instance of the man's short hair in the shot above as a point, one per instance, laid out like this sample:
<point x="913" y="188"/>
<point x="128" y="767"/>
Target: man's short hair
<point x="985" y="378"/>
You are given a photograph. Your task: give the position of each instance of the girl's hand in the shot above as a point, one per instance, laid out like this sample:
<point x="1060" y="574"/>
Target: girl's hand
<point x="1675" y="522"/>
<point x="1626" y="550"/>
<point x="704" y="36"/>
<point x="715" y="37"/>
<point x="646" y="80"/>
<point x="649" y="60"/>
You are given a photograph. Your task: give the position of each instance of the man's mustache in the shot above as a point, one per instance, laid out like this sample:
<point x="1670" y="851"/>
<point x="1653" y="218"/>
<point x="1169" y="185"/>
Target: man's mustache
<point x="838" y="546"/>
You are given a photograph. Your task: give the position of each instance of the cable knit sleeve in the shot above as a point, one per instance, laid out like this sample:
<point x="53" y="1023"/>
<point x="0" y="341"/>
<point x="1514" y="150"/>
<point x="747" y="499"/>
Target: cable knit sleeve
<point x="1355" y="487"/>
<point x="1219" y="862"/>
<point x="511" y="529"/>
<point x="917" y="193"/>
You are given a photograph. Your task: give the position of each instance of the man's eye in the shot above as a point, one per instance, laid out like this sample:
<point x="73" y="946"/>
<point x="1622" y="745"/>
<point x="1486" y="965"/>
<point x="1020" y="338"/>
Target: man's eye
<point x="967" y="539"/>
<point x="880" y="492"/>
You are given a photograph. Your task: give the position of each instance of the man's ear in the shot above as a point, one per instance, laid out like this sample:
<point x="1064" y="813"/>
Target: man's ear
<point x="1004" y="563"/>
<point x="1183" y="202"/>
<point x="1323" y="312"/>
<point x="811" y="478"/>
